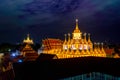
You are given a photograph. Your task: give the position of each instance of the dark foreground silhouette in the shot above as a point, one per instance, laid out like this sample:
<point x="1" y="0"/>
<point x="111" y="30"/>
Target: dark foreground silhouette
<point x="50" y="69"/>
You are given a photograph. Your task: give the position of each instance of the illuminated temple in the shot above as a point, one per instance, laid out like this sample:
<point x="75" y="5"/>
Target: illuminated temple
<point x="77" y="45"/>
<point x="28" y="40"/>
<point x="27" y="51"/>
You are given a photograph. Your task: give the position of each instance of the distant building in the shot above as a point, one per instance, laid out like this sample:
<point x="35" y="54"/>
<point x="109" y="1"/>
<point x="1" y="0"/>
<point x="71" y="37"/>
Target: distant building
<point x="28" y="53"/>
<point x="77" y="46"/>
<point x="109" y="52"/>
<point x="116" y="56"/>
<point x="28" y="40"/>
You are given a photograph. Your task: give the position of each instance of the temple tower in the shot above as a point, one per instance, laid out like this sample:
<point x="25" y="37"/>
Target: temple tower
<point x="76" y="33"/>
<point x="28" y="40"/>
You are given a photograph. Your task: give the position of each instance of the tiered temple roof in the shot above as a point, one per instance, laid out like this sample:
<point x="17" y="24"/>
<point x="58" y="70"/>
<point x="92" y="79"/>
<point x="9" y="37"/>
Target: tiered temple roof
<point x="29" y="53"/>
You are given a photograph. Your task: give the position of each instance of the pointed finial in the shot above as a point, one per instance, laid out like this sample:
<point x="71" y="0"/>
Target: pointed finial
<point x="89" y="37"/>
<point x="68" y="36"/>
<point x="98" y="44"/>
<point x="85" y="34"/>
<point x="102" y="45"/>
<point x="28" y="36"/>
<point x="65" y="36"/>
<point x="76" y="20"/>
<point x="76" y="23"/>
<point x="85" y="38"/>
<point x="76" y="30"/>
<point x="94" y="44"/>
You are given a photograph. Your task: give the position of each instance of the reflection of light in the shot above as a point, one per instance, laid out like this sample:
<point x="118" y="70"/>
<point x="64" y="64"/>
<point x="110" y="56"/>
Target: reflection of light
<point x="40" y="51"/>
<point x="9" y="50"/>
<point x="20" y="60"/>
<point x="13" y="54"/>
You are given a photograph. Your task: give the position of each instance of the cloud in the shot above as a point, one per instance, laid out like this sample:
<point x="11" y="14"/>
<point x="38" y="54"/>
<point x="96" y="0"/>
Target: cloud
<point x="23" y="13"/>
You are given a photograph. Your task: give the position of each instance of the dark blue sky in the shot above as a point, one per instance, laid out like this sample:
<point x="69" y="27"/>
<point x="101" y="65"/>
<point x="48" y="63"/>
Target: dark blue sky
<point x="54" y="18"/>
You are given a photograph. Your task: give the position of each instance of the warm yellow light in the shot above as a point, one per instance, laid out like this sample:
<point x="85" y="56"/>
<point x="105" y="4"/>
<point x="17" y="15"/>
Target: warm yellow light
<point x="77" y="46"/>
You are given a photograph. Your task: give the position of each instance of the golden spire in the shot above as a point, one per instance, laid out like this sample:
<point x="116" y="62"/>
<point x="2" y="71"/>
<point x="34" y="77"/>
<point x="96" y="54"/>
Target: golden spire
<point x="28" y="40"/>
<point x="95" y="48"/>
<point x="98" y="47"/>
<point x="89" y="40"/>
<point x="102" y="49"/>
<point x="76" y="28"/>
<point x="68" y="40"/>
<point x="76" y="24"/>
<point x="28" y="37"/>
<point x="85" y="38"/>
<point x="102" y="45"/>
<point x="65" y="38"/>
<point x="68" y="37"/>
<point x="94" y="45"/>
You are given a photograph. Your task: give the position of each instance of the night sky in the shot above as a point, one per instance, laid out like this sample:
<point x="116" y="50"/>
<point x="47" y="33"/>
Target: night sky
<point x="53" y="18"/>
